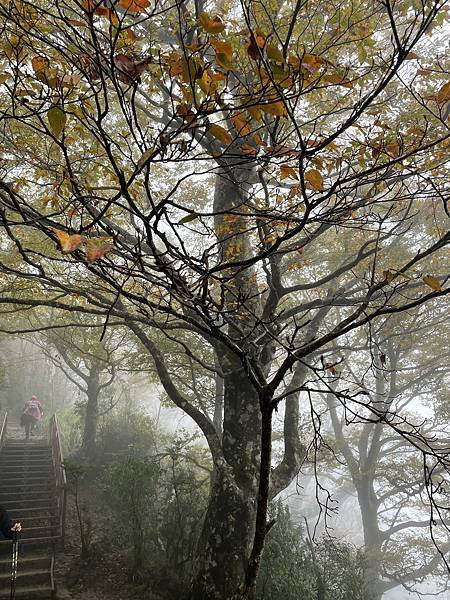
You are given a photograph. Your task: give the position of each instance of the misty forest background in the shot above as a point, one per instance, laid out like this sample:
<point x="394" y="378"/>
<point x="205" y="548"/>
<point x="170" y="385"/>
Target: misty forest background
<point x="142" y="490"/>
<point x="224" y="265"/>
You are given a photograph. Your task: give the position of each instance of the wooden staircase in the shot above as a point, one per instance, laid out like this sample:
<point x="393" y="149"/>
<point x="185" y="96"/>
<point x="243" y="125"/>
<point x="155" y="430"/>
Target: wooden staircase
<point x="30" y="490"/>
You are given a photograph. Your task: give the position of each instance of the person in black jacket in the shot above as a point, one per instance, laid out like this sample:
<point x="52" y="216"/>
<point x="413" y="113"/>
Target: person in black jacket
<point x="6" y="525"/>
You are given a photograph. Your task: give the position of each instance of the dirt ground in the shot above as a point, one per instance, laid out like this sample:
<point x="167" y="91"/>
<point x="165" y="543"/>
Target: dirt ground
<point x="101" y="577"/>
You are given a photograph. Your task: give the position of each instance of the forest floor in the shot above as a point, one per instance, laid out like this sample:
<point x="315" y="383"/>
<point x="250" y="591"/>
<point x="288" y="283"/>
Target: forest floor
<point x="102" y="576"/>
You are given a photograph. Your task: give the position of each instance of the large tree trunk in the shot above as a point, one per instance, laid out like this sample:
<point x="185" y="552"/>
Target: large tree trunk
<point x="372" y="538"/>
<point x="228" y="529"/>
<point x="224" y="546"/>
<point x="88" y="446"/>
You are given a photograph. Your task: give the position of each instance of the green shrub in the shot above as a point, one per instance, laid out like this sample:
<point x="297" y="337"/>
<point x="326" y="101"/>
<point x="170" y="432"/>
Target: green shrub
<point x="296" y="568"/>
<point x="155" y="510"/>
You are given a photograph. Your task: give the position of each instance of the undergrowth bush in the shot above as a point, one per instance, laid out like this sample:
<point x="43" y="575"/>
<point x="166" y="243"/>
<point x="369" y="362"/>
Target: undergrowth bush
<point x="152" y="498"/>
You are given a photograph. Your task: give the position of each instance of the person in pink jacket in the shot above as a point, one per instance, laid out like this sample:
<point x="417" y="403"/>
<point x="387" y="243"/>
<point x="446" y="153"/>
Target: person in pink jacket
<point x="32" y="413"/>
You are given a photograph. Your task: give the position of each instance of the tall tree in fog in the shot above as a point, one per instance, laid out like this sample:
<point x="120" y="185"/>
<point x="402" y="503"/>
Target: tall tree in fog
<point x="90" y="362"/>
<point x="251" y="181"/>
<point x="405" y="374"/>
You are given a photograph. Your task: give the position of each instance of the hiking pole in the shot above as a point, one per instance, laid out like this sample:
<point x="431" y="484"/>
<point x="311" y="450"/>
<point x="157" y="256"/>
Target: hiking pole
<point x="16" y="529"/>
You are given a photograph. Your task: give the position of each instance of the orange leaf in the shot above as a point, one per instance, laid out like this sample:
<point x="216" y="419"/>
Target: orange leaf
<point x="102" y="11"/>
<point x="252" y="49"/>
<point x="97" y="248"/>
<point x="220" y="133"/>
<point x="240" y="125"/>
<point x="135" y="6"/>
<point x="315" y="179"/>
<point x="68" y="243"/>
<point x="255" y="112"/>
<point x="258" y="140"/>
<point x="247" y="149"/>
<point x="224" y="54"/>
<point x="40" y="63"/>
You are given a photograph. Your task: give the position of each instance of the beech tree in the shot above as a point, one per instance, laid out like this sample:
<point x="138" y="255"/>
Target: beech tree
<point x="90" y="364"/>
<point x="405" y="377"/>
<point x="250" y="180"/>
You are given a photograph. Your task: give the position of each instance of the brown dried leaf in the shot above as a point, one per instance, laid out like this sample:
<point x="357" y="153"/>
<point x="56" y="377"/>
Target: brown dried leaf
<point x="68" y="243"/>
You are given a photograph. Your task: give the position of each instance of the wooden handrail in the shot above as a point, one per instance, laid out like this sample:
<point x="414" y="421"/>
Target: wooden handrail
<point x="60" y="475"/>
<point x="3" y="430"/>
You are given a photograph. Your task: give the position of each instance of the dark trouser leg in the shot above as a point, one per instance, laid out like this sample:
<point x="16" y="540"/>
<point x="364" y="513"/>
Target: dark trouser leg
<point x="27" y="429"/>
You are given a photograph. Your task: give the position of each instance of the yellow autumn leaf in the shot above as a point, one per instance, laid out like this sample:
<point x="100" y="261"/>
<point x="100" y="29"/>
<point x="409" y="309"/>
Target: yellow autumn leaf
<point x="146" y="156"/>
<point x="432" y="282"/>
<point x="337" y="79"/>
<point x="287" y="171"/>
<point x="220" y="133"/>
<point x="277" y="109"/>
<point x="189" y="69"/>
<point x="274" y="53"/>
<point x="443" y="94"/>
<point x="206" y="83"/>
<point x="57" y="120"/>
<point x="315" y="179"/>
<point x="212" y="25"/>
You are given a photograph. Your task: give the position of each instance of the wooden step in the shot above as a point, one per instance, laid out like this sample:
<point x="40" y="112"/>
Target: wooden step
<point x="25" y="478"/>
<point x="25" y="454"/>
<point x="34" y="509"/>
<point x="28" y="592"/>
<point x="30" y="503"/>
<point x="26" y="447"/>
<point x="38" y="441"/>
<point x="38" y="520"/>
<point x="29" y="541"/>
<point x="29" y="449"/>
<point x="30" y="474"/>
<point x="28" y="487"/>
<point x="25" y="482"/>
<point x="24" y="494"/>
<point x="35" y="561"/>
<point x="31" y="463"/>
<point x="25" y="461"/>
<point x="27" y="577"/>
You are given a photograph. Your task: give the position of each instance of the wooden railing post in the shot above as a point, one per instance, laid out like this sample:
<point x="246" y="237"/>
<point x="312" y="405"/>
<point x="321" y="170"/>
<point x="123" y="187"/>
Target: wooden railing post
<point x="3" y="430"/>
<point x="60" y="475"/>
